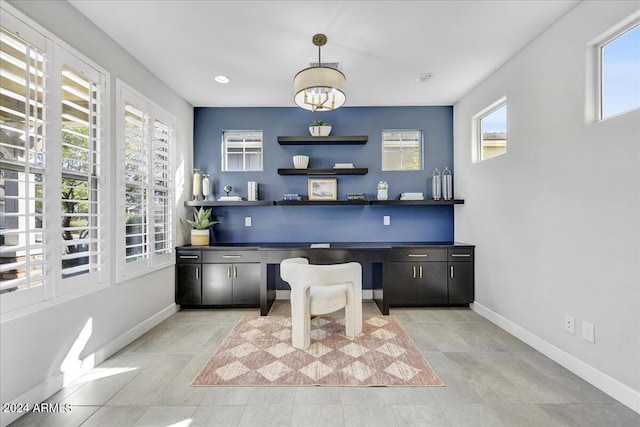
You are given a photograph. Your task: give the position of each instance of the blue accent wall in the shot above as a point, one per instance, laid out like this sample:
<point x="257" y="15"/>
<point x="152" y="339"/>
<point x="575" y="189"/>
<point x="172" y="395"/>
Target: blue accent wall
<point x="327" y="223"/>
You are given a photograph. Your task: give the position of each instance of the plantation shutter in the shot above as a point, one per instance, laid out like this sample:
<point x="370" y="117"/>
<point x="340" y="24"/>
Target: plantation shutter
<point x="22" y="160"/>
<point x="162" y="184"/>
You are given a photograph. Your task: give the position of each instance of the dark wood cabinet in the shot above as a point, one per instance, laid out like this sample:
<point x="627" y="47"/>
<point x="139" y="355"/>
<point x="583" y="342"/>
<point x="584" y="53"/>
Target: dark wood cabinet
<point x="231" y="284"/>
<point x="203" y="280"/>
<point x="421" y="276"/>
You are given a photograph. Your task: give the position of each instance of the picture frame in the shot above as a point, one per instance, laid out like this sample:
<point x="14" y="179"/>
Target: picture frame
<point x="323" y="189"/>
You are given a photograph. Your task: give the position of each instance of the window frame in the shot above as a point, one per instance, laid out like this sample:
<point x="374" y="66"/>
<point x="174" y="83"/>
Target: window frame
<point x="476" y="130"/>
<point x="54" y="289"/>
<point x="599" y="69"/>
<point x="152" y="261"/>
<point x="421" y="155"/>
<point x="224" y="153"/>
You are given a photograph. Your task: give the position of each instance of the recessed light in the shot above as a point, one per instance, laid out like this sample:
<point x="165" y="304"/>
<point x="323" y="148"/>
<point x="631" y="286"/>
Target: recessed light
<point x="222" y="79"/>
<point x="423" y="77"/>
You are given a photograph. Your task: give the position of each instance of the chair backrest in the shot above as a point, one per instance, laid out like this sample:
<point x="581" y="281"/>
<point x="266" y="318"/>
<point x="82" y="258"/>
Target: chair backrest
<point x="298" y="271"/>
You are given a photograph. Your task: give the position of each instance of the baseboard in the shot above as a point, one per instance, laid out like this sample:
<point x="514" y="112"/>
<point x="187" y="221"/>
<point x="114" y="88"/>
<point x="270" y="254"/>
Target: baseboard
<point x="52" y="385"/>
<point x="284" y="294"/>
<point x="614" y="388"/>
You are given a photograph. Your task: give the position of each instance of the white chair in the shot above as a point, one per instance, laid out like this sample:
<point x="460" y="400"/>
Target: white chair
<point x="322" y="289"/>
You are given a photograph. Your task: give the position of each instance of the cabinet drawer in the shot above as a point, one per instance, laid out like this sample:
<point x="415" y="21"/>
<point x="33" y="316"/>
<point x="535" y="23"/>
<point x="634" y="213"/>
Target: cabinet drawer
<point x="460" y="254"/>
<point x="188" y="256"/>
<point x="418" y="254"/>
<point x="231" y="256"/>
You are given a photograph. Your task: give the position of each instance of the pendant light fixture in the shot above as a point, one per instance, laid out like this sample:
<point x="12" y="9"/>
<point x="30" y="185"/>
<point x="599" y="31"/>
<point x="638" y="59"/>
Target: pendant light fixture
<point x="320" y="88"/>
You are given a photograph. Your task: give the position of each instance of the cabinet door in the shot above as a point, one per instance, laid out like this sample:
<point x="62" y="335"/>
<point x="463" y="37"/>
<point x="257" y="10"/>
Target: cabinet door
<point x="188" y="284"/>
<point x="246" y="284"/>
<point x="217" y="284"/>
<point x="400" y="283"/>
<point x="432" y="283"/>
<point x="461" y="283"/>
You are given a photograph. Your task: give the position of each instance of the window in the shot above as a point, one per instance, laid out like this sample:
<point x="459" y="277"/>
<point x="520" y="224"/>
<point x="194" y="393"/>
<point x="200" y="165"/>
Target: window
<point x="145" y="139"/>
<point x="491" y="134"/>
<point x="22" y="159"/>
<point x="52" y="114"/>
<point x="401" y="150"/>
<point x="81" y="125"/>
<point x="620" y="73"/>
<point x="241" y="151"/>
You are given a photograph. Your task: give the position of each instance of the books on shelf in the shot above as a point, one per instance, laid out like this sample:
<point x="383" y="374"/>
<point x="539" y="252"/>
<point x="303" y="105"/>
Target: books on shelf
<point x="229" y="199"/>
<point x="292" y="197"/>
<point x="343" y="166"/>
<point x="411" y="196"/>
<point x="355" y="196"/>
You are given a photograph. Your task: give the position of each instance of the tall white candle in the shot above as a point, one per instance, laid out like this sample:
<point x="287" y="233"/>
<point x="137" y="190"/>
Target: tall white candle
<point x="197" y="183"/>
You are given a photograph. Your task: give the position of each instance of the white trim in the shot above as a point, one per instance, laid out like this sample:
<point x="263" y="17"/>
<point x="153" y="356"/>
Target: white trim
<point x="614" y="388"/>
<point x="52" y="385"/>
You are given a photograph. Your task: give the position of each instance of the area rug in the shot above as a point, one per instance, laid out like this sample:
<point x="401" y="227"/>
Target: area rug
<point x="258" y="352"/>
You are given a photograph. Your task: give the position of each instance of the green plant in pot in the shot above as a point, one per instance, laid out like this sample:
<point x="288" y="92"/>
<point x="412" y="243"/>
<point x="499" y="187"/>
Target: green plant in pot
<point x="320" y="128"/>
<point x="201" y="223"/>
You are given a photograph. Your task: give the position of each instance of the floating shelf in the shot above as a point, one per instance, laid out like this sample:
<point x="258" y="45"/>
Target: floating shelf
<point x="323" y="140"/>
<point x="418" y="202"/>
<point x="322" y="202"/>
<point x="213" y="203"/>
<point x="331" y="171"/>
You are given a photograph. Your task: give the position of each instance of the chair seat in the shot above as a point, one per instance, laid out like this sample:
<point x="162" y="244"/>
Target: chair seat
<point x="327" y="299"/>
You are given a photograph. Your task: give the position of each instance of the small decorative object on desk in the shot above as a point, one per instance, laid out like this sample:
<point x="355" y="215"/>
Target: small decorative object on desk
<point x="292" y="197"/>
<point x="383" y="191"/>
<point x="300" y="162"/>
<point x="319" y="128"/>
<point x="436" y="185"/>
<point x="252" y="191"/>
<point x="206" y="186"/>
<point x="201" y="223"/>
<point x="197" y="184"/>
<point x="447" y="184"/>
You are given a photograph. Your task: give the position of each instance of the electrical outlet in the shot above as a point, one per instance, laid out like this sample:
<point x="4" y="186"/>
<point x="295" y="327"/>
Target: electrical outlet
<point x="247" y="221"/>
<point x="569" y="324"/>
<point x="588" y="332"/>
<point x="386" y="220"/>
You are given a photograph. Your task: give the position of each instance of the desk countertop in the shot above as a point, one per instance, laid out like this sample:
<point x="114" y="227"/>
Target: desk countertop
<point x="333" y="245"/>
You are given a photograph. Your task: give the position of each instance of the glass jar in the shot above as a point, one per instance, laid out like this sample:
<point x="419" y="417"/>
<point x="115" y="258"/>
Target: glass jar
<point x="206" y="186"/>
<point x="383" y="191"/>
<point x="197" y="184"/>
<point x="436" y="186"/>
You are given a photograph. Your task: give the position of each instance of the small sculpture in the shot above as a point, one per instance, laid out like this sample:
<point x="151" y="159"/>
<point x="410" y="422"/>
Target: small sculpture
<point x="227" y="189"/>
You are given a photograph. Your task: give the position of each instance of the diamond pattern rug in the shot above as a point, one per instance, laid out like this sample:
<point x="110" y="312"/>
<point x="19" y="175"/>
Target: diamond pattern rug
<point x="258" y="352"/>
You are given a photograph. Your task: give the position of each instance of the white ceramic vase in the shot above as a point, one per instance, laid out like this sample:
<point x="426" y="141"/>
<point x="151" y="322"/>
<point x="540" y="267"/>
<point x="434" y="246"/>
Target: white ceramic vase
<point x="300" y="162"/>
<point x="320" y="130"/>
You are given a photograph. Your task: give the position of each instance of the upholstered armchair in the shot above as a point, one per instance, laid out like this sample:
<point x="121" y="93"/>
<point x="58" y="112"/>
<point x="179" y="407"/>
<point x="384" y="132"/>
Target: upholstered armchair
<point x="322" y="289"/>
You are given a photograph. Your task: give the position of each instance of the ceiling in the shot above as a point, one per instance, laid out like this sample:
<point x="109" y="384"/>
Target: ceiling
<point x="382" y="46"/>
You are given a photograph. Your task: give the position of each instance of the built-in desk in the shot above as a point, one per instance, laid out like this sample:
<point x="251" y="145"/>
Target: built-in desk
<point x="403" y="274"/>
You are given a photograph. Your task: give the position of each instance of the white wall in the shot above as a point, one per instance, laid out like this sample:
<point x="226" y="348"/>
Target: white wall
<point x="556" y="220"/>
<point x="35" y="345"/>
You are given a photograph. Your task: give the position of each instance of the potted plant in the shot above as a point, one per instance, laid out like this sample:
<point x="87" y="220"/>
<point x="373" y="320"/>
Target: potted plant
<point x="320" y="128"/>
<point x="201" y="223"/>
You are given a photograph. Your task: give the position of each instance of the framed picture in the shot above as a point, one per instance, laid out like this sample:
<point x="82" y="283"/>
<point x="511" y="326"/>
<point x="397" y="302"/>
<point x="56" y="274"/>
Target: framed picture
<point x="323" y="189"/>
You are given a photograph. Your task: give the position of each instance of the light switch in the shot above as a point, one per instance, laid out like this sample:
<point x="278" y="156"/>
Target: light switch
<point x="247" y="221"/>
<point x="387" y="220"/>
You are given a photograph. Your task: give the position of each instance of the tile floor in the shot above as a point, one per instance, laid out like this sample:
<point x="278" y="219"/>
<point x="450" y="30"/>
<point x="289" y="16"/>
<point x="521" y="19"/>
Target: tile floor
<point x="491" y="379"/>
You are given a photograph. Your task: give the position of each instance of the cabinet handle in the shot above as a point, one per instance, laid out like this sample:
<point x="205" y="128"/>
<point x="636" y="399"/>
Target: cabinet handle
<point x="228" y="272"/>
<point x="235" y="272"/>
<point x="414" y="271"/>
<point x="418" y="255"/>
<point x="420" y="271"/>
<point x="461" y="255"/>
<point x="189" y="256"/>
<point x="451" y="271"/>
<point x="231" y="256"/>
<point x="197" y="272"/>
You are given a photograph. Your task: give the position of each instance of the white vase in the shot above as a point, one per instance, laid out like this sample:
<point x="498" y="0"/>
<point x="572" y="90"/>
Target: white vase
<point x="300" y="162"/>
<point x="320" y="130"/>
<point x="200" y="237"/>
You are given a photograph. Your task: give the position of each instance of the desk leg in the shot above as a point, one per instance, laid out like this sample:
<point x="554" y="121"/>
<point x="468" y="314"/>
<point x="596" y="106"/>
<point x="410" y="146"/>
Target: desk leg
<point x="268" y="288"/>
<point x="378" y="288"/>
